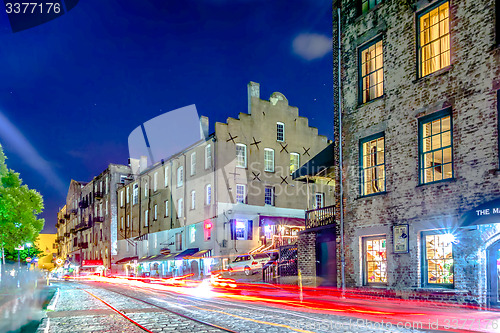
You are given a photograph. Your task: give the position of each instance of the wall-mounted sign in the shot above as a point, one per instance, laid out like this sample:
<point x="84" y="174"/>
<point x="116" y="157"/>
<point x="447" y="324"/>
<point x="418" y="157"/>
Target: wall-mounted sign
<point x="400" y="238"/>
<point x="92" y="263"/>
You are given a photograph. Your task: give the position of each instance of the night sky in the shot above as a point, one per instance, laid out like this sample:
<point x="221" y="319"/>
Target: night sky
<point x="72" y="89"/>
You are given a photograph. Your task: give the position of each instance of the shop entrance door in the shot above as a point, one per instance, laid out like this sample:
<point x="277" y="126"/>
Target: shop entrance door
<point x="326" y="263"/>
<point x="494" y="275"/>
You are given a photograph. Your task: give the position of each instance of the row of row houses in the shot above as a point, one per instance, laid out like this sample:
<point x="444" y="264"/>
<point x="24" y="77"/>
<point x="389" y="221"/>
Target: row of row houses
<point x="229" y="193"/>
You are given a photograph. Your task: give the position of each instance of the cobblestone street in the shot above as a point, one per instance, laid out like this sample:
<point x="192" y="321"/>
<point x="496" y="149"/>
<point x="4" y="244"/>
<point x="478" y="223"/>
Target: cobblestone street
<point x="80" y="307"/>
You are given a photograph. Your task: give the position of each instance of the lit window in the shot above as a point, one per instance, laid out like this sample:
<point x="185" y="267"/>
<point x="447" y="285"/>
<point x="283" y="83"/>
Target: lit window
<point x="180" y="176"/>
<point x="241" y="229"/>
<point x="192" y="233"/>
<point x="372" y="72"/>
<point x="434" y="39"/>
<point x="375" y="260"/>
<point x="241" y="155"/>
<point x="180" y="207"/>
<point x="121" y="198"/>
<point x="367" y="5"/>
<point x="146" y="218"/>
<point x="156" y="212"/>
<point x="146" y="189"/>
<point x="155" y="182"/>
<point x="128" y="194"/>
<point x="128" y="220"/>
<point x="240" y="193"/>
<point x="269" y="195"/>
<point x="269" y="160"/>
<point x="193" y="199"/>
<point x="438" y="259"/>
<point x="372" y="165"/>
<point x="208" y="200"/>
<point x="436" y="154"/>
<point x="106" y="204"/>
<point x="319" y="200"/>
<point x="208" y="229"/>
<point x="294" y="162"/>
<point x="280" y="132"/>
<point x="193" y="163"/>
<point x="135" y="197"/>
<point x="166" y="208"/>
<point x="208" y="156"/>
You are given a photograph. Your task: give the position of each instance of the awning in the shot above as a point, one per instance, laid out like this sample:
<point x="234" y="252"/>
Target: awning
<point x="170" y="256"/>
<point x="125" y="260"/>
<point x="281" y="220"/>
<point x="186" y="253"/>
<point x="320" y="163"/>
<point x="486" y="213"/>
<point x="150" y="258"/>
<point x="201" y="254"/>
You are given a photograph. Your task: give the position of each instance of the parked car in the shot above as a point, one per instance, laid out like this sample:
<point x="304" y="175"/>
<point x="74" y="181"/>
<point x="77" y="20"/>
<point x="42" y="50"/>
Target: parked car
<point x="248" y="263"/>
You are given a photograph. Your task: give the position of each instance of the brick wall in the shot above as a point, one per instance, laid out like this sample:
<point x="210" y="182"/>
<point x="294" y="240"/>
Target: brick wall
<point x="306" y="257"/>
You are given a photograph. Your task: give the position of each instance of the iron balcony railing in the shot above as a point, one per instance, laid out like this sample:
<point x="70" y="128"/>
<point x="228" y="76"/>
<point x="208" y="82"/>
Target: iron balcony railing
<point x="83" y="204"/>
<point x="98" y="194"/>
<point x="320" y="217"/>
<point x="83" y="226"/>
<point x="73" y="211"/>
<point x="83" y="245"/>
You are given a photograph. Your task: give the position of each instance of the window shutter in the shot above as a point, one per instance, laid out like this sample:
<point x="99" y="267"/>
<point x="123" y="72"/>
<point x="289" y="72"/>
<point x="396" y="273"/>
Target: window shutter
<point x="250" y="229"/>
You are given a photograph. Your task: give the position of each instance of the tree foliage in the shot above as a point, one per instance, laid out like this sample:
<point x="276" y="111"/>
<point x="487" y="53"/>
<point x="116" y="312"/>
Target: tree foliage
<point x="34" y="251"/>
<point x="19" y="208"/>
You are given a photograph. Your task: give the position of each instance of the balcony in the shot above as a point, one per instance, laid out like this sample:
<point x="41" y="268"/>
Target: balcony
<point x="73" y="211"/>
<point x="99" y="219"/>
<point x="83" y="226"/>
<point x="67" y="216"/>
<point x="320" y="217"/>
<point x="98" y="194"/>
<point x="72" y="230"/>
<point x="83" y="204"/>
<point x="83" y="245"/>
<point x="66" y="234"/>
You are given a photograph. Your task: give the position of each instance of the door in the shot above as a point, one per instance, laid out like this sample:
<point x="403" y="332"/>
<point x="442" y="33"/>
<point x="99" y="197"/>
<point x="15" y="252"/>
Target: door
<point x="326" y="257"/>
<point x="494" y="275"/>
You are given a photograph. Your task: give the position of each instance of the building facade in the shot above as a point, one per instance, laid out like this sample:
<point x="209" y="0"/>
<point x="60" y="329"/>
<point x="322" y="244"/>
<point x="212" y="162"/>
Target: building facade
<point x="419" y="107"/>
<point x="229" y="194"/>
<point x="86" y="227"/>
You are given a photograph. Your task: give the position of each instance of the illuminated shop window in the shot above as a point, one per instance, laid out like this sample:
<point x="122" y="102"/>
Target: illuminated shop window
<point x="294" y="162"/>
<point x="375" y="255"/>
<point x="438" y="259"/>
<point x="372" y="165"/>
<point x="436" y="154"/>
<point x="434" y="39"/>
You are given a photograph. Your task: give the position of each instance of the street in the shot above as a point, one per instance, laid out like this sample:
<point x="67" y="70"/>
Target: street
<point x="93" y="306"/>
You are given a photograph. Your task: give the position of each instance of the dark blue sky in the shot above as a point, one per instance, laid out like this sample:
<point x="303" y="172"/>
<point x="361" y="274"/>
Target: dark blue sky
<point x="72" y="90"/>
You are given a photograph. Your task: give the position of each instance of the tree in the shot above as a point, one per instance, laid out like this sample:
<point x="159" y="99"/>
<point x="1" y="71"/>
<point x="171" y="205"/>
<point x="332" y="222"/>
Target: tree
<point x="19" y="209"/>
<point x="32" y="252"/>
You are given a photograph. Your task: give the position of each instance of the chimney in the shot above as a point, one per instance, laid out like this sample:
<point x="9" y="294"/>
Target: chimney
<point x="143" y="163"/>
<point x="133" y="163"/>
<point x="253" y="91"/>
<point x="204" y="127"/>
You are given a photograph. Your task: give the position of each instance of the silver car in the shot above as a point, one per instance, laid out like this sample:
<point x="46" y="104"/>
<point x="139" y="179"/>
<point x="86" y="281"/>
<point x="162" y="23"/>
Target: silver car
<point x="248" y="263"/>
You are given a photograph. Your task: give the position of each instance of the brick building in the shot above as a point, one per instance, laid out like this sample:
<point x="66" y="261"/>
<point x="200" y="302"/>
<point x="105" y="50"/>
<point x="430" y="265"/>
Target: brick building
<point x="419" y="107"/>
<point x="230" y="193"/>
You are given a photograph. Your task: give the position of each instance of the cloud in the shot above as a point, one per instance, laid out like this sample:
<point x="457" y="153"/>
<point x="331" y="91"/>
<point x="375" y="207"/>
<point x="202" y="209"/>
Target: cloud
<point x="312" y="46"/>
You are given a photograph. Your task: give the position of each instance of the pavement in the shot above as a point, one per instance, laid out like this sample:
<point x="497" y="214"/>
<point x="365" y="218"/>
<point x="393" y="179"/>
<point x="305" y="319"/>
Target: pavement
<point x="78" y="307"/>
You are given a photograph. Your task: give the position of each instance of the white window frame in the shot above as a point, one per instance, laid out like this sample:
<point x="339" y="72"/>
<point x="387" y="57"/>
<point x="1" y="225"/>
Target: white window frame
<point x="272" y="195"/>
<point x="146" y="189"/>
<point x="316" y="196"/>
<point x="106" y="203"/>
<point x="146" y="217"/>
<point x="243" y="187"/>
<point x="180" y="176"/>
<point x="193" y="164"/>
<point x="268" y="160"/>
<point x="208" y="194"/>
<point x="155" y="212"/>
<point x="128" y="220"/>
<point x="155" y="181"/>
<point x="166" y="208"/>
<point x="241" y="162"/>
<point x="208" y="156"/>
<point x="128" y="194"/>
<point x="193" y="199"/>
<point x="180" y="207"/>
<point x="293" y="165"/>
<point x="122" y="193"/>
<point x="122" y="226"/>
<point x="278" y="124"/>
<point x="166" y="176"/>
